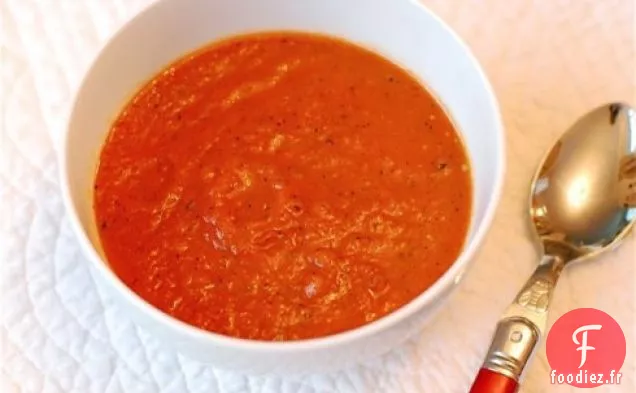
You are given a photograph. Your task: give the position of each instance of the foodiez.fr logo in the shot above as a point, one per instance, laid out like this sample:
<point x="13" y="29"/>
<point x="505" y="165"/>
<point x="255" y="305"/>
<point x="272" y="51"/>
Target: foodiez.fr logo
<point x="586" y="348"/>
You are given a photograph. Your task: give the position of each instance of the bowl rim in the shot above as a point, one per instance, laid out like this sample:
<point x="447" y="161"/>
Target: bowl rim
<point x="431" y="296"/>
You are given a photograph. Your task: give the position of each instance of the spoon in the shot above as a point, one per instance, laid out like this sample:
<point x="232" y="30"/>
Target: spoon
<point x="582" y="202"/>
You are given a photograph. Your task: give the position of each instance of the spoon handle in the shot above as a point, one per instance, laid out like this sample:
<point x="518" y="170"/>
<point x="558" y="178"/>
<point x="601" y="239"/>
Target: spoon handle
<point x="488" y="381"/>
<point x="518" y="331"/>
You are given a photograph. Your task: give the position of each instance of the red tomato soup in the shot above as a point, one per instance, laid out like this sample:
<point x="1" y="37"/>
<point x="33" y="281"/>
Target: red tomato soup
<point x="282" y="186"/>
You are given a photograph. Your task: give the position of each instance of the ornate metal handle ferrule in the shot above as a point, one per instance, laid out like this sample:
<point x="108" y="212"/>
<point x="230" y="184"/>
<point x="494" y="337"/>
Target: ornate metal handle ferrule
<point x="512" y="345"/>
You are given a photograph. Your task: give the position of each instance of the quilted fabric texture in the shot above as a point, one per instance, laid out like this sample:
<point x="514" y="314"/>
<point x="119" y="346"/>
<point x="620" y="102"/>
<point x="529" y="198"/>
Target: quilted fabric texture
<point x="549" y="61"/>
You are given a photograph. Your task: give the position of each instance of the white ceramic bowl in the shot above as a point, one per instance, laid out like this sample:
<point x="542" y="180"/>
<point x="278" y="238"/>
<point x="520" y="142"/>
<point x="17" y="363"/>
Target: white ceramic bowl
<point x="401" y="30"/>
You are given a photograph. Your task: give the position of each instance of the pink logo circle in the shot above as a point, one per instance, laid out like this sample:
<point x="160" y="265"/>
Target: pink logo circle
<point x="586" y="348"/>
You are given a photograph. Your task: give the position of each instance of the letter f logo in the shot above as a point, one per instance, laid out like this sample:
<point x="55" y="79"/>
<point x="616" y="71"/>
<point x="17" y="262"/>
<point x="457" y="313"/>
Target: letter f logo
<point x="583" y="344"/>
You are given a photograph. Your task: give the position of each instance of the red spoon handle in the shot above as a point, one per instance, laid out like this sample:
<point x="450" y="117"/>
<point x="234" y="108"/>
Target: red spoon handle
<point x="488" y="381"/>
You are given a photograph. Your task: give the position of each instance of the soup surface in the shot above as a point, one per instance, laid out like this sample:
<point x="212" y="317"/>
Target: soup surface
<point x="282" y="186"/>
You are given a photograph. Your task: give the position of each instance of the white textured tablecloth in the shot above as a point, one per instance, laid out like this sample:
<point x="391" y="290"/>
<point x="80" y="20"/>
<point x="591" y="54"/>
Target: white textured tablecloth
<point x="549" y="61"/>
